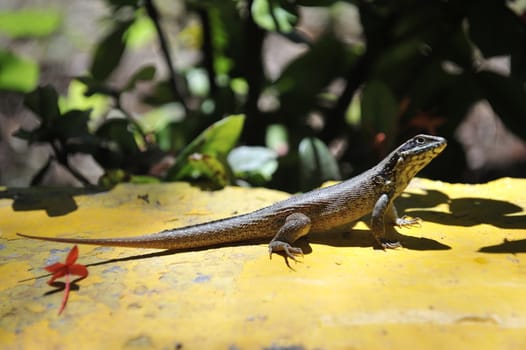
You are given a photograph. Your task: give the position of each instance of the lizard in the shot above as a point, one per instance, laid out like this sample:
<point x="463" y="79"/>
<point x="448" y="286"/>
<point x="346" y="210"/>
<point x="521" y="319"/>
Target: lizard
<point x="321" y="210"/>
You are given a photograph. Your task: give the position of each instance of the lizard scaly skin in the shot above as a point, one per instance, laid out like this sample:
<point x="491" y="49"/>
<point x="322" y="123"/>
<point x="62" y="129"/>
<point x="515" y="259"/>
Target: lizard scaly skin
<point x="321" y="210"/>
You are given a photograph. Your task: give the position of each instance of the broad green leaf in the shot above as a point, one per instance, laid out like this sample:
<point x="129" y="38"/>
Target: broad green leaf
<point x="43" y="101"/>
<point x="217" y="140"/>
<point x="141" y="32"/>
<point x="76" y="99"/>
<point x="16" y="73"/>
<point x="109" y="52"/>
<point x="317" y="163"/>
<point x="253" y="164"/>
<point x="507" y="96"/>
<point x="72" y="124"/>
<point x="210" y="167"/>
<point x="144" y="74"/>
<point x="379" y="107"/>
<point x="271" y="16"/>
<point x="119" y="133"/>
<point x="117" y="144"/>
<point x="30" y="22"/>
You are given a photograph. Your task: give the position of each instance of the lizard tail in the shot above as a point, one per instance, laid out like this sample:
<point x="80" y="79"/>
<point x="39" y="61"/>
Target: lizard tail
<point x="136" y="242"/>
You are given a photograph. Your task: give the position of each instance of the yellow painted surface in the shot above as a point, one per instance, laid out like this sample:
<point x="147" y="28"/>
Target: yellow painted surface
<point x="460" y="281"/>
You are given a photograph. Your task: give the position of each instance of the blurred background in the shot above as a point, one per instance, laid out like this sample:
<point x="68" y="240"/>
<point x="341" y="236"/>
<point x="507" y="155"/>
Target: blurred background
<point x="277" y="93"/>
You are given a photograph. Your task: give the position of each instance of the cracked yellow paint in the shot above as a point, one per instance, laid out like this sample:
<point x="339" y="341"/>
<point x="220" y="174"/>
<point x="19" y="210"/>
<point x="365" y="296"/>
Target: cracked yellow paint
<point x="460" y="281"/>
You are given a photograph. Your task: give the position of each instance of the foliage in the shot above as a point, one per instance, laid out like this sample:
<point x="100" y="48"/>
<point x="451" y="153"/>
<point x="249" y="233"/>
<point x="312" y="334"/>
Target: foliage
<point x="416" y="69"/>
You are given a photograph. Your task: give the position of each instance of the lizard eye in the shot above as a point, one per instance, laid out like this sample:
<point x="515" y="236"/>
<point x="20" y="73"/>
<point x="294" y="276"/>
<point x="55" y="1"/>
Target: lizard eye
<point x="420" y="140"/>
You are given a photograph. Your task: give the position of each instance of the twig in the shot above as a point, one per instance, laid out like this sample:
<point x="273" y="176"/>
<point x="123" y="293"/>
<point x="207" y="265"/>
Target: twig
<point x="208" y="49"/>
<point x="253" y="72"/>
<point x="62" y="158"/>
<point x="153" y="13"/>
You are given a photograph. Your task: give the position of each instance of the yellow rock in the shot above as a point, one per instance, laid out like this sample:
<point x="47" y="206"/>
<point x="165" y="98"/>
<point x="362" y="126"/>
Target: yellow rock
<point x="460" y="281"/>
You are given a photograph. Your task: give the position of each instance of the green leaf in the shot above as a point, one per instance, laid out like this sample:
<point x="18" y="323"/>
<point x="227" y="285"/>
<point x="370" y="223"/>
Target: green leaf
<point x="143" y="74"/>
<point x="72" y="124"/>
<point x="141" y="32"/>
<point x="43" y="101"/>
<point x="144" y="179"/>
<point x="379" y="107"/>
<point x="217" y="140"/>
<point x="94" y="86"/>
<point x="117" y="145"/>
<point x="316" y="163"/>
<point x="119" y="136"/>
<point x="109" y="52"/>
<point x="253" y="164"/>
<point x="209" y="167"/>
<point x="16" y="73"/>
<point x="30" y="22"/>
<point x="76" y="99"/>
<point x="507" y="96"/>
<point x="271" y="16"/>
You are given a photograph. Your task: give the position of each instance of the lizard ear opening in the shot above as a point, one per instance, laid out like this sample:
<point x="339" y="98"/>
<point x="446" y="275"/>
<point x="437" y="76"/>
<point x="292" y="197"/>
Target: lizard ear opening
<point x="401" y="159"/>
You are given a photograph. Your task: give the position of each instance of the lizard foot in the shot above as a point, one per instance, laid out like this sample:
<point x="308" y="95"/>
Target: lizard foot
<point x="290" y="251"/>
<point x="406" y="221"/>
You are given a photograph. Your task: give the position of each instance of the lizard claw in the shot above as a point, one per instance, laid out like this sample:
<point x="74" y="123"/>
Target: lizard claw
<point x="390" y="244"/>
<point x="290" y="251"/>
<point x="406" y="221"/>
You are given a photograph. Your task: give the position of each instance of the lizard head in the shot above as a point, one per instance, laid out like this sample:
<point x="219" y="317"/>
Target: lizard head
<point x="415" y="154"/>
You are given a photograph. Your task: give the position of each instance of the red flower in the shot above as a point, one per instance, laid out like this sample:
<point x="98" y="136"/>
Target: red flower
<point x="59" y="270"/>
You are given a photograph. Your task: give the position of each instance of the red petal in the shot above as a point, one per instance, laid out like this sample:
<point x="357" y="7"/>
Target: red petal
<point x="57" y="275"/>
<point x="72" y="256"/>
<point x="55" y="267"/>
<point x="79" y="270"/>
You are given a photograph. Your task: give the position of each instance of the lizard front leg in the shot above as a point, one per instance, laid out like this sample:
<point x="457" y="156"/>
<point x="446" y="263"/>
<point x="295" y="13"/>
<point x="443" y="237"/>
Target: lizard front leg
<point x="382" y="208"/>
<point x="296" y="225"/>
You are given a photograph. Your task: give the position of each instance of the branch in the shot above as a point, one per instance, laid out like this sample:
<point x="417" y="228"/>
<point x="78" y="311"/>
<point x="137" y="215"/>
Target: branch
<point x="208" y="49"/>
<point x="153" y="13"/>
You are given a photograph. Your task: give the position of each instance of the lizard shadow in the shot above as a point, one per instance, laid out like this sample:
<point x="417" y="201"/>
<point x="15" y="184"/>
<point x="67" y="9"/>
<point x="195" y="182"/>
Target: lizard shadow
<point x="364" y="239"/>
<point x="356" y="238"/>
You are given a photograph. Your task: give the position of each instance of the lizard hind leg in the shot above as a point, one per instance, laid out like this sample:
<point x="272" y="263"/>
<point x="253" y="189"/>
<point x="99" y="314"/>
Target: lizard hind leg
<point x="296" y="225"/>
